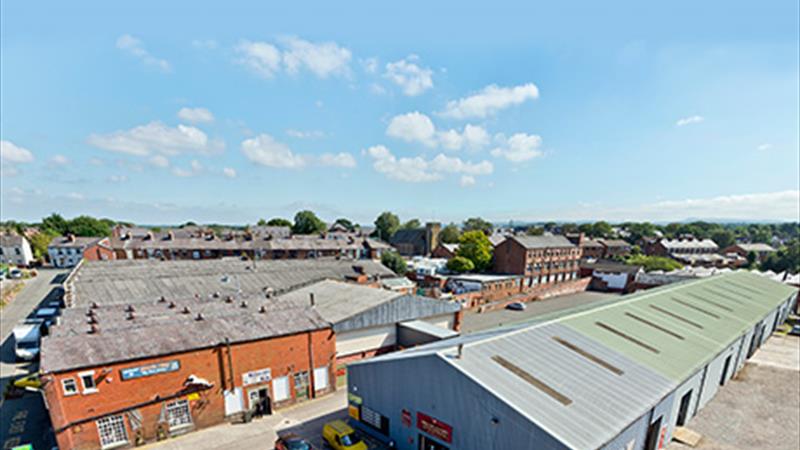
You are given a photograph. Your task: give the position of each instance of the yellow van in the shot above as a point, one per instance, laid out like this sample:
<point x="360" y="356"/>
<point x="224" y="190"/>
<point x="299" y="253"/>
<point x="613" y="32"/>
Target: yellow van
<point x="340" y="436"/>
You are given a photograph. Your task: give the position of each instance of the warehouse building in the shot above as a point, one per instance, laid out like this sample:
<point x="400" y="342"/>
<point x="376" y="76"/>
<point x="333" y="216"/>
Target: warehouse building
<point x="622" y="375"/>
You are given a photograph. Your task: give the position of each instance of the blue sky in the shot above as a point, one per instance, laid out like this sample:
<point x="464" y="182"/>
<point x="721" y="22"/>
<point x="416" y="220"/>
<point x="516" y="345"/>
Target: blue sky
<point x="439" y="110"/>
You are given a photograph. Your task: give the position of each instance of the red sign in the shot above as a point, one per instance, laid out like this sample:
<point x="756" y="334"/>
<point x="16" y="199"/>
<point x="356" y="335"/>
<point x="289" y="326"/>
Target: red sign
<point x="406" y="418"/>
<point x="434" y="427"/>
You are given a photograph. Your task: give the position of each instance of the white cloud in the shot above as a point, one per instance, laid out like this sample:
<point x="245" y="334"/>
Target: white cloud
<point x="195" y="168"/>
<point x="370" y="65"/>
<point x="764" y="147"/>
<point x="135" y="47"/>
<point x="518" y="148"/>
<point x="489" y="101"/>
<point x="689" y="120"/>
<point x="413" y="127"/>
<point x="419" y="170"/>
<point x="75" y="196"/>
<point x="323" y="59"/>
<point x="59" y="160"/>
<point x="338" y="160"/>
<point x="159" y="161"/>
<point x="262" y="58"/>
<point x="155" y="138"/>
<point x="11" y="153"/>
<point x="183" y="173"/>
<point x="467" y="180"/>
<point x="205" y="44"/>
<point x="300" y="134"/>
<point x="118" y="178"/>
<point x="196" y="115"/>
<point x="417" y="127"/>
<point x="229" y="172"/>
<point x="266" y="151"/>
<point x="412" y="78"/>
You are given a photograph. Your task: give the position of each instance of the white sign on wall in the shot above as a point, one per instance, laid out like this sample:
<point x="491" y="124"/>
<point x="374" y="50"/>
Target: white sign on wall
<point x="256" y="376"/>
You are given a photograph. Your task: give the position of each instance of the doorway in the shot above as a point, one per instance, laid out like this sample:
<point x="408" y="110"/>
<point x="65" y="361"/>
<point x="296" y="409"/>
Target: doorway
<point x="652" y="435"/>
<point x="426" y="443"/>
<point x="683" y="411"/>
<point x="725" y="367"/>
<point x="260" y="402"/>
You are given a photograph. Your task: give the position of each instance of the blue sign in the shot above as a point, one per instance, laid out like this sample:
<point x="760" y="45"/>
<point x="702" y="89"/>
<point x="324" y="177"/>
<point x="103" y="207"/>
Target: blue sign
<point x="150" y="369"/>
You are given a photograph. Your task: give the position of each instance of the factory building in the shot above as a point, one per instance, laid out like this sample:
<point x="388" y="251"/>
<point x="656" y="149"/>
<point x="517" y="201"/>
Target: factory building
<point x="621" y="375"/>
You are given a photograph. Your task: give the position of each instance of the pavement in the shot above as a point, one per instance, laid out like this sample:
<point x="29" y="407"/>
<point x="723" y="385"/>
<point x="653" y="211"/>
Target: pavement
<point x="474" y="321"/>
<point x="759" y="408"/>
<point x="306" y="420"/>
<point x="25" y="420"/>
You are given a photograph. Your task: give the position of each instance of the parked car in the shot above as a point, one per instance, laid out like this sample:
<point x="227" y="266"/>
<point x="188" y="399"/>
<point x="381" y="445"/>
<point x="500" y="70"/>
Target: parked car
<point x="516" y="306"/>
<point x="15" y="274"/>
<point x="341" y="436"/>
<point x="292" y="441"/>
<point x="795" y="329"/>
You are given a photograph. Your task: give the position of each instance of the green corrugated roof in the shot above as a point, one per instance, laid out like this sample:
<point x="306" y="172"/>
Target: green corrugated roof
<point x="676" y="329"/>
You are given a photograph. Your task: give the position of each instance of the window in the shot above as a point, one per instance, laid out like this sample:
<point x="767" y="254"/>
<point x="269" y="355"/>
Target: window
<point x="178" y="415"/>
<point x="87" y="380"/>
<point x="280" y="388"/>
<point x="301" y="385"/>
<point x="70" y="386"/>
<point x="112" y="431"/>
<point x="320" y="378"/>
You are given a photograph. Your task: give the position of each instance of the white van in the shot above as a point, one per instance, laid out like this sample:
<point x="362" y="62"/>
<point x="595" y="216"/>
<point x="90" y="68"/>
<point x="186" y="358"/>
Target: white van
<point x="26" y="340"/>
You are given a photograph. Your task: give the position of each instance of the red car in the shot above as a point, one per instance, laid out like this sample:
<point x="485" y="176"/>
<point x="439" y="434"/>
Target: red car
<point x="292" y="442"/>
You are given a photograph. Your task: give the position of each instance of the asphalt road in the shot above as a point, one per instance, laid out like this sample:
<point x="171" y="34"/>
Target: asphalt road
<point x="25" y="420"/>
<point x="474" y="321"/>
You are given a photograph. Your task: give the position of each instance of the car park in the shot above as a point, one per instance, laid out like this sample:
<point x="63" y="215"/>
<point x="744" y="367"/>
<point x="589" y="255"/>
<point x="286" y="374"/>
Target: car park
<point x="340" y="436"/>
<point x="516" y="306"/>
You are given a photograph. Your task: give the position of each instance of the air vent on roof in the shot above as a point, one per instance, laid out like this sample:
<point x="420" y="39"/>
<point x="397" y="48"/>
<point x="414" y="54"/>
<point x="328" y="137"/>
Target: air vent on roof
<point x="654" y="325"/>
<point x="243" y="304"/>
<point x="130" y="315"/>
<point x="229" y="299"/>
<point x="589" y="356"/>
<point x="186" y="310"/>
<point x="215" y="295"/>
<point x="93" y="305"/>
<point x="92" y="320"/>
<point x="627" y="337"/>
<point x="93" y="329"/>
<point x="129" y="308"/>
<point x="710" y="302"/>
<point x="199" y="316"/>
<point x="731" y="291"/>
<point x="162" y="299"/>
<point x="747" y="288"/>
<point x="698" y="309"/>
<point x="171" y="305"/>
<point x="262" y="309"/>
<point x="90" y="312"/>
<point x="530" y="379"/>
<point x="676" y="316"/>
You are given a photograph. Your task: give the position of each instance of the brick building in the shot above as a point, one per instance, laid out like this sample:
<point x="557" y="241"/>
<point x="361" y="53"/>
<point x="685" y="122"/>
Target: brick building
<point x="762" y="251"/>
<point x="417" y="241"/>
<point x="599" y="248"/>
<point x="542" y="260"/>
<point x="474" y="290"/>
<point x="68" y="251"/>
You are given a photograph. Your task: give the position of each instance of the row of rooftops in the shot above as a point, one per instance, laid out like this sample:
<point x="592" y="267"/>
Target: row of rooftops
<point x="599" y="369"/>
<point x="130" y="309"/>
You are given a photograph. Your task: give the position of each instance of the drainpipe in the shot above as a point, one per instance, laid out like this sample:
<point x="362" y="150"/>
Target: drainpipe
<point x="230" y="362"/>
<point x="312" y="393"/>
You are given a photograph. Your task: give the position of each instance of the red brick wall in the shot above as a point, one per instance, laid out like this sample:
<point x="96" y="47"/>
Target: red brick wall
<point x="97" y="253"/>
<point x="284" y="356"/>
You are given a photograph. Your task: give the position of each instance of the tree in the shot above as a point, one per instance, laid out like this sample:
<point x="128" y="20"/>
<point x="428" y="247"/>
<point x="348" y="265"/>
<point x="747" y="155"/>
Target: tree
<point x="346" y="223"/>
<point x="459" y="264"/>
<point x="450" y="234"/>
<point x="650" y="263"/>
<point x="39" y="243"/>
<point x="534" y="231"/>
<point x="569" y="228"/>
<point x="411" y="224"/>
<point x="306" y="222"/>
<point x="279" y="222"/>
<point x="386" y="225"/>
<point x="785" y="259"/>
<point x="477" y="223"/>
<point x="476" y="247"/>
<point x="55" y="224"/>
<point x="88" y="226"/>
<point x="602" y="229"/>
<point x="723" y="238"/>
<point x="261" y="223"/>
<point x="752" y="258"/>
<point x="394" y="262"/>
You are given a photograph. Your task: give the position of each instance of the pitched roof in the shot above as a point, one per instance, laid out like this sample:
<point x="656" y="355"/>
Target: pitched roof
<point x="75" y="242"/>
<point x="10" y="240"/>
<point x="756" y="247"/>
<point x="532" y="242"/>
<point x="678" y="245"/>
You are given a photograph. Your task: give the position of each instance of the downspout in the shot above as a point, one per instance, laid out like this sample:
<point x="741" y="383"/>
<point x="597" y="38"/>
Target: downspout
<point x="312" y="393"/>
<point x="230" y="363"/>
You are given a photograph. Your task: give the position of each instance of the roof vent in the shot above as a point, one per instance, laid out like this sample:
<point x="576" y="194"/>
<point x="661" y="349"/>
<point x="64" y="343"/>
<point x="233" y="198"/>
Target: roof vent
<point x="199" y="316"/>
<point x="90" y="312"/>
<point x="130" y="315"/>
<point x="171" y="305"/>
<point x="129" y="309"/>
<point x="93" y="305"/>
<point x="215" y="294"/>
<point x="262" y="309"/>
<point x="229" y="299"/>
<point x="358" y="268"/>
<point x="162" y="299"/>
<point x="185" y="310"/>
<point x="93" y="329"/>
<point x="92" y="320"/>
<point x="311" y="299"/>
<point x="197" y="296"/>
<point x="243" y="304"/>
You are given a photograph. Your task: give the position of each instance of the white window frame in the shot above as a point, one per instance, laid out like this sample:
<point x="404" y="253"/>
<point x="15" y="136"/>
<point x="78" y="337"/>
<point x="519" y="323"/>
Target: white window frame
<point x="88" y="390"/>
<point x="68" y="392"/>
<point x="113" y="424"/>
<point x="184" y="417"/>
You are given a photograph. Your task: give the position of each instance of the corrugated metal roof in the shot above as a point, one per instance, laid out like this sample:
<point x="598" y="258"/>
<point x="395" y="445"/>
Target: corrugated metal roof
<point x="585" y="376"/>
<point x="336" y="301"/>
<point x="543" y="241"/>
<point x="429" y="329"/>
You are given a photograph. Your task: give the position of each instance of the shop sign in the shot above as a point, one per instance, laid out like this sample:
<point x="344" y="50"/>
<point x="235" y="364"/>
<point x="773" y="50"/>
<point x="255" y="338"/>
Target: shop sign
<point x="256" y="376"/>
<point x="405" y="417"/>
<point x="149" y="369"/>
<point x="353" y="399"/>
<point x="434" y="427"/>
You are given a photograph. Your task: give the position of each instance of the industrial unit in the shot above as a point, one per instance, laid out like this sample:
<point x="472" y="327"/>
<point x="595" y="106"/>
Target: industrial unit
<point x="622" y="375"/>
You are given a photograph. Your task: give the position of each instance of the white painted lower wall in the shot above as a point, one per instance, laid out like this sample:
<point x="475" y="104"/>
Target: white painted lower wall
<point x="366" y="339"/>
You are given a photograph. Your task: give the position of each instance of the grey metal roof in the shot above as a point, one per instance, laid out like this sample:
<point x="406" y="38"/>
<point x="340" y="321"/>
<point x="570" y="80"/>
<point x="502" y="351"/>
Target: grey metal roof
<point x="429" y="329"/>
<point x="134" y="281"/>
<point x="178" y="333"/>
<point x="532" y="242"/>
